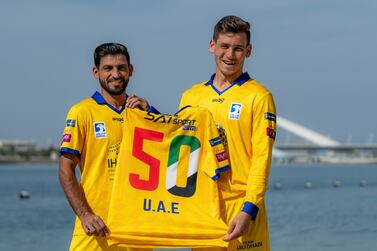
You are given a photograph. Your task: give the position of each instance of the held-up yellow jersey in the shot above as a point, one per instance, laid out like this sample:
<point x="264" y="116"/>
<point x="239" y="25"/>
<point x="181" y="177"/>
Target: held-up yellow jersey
<point x="93" y="132"/>
<point x="164" y="192"/>
<point x="246" y="112"/>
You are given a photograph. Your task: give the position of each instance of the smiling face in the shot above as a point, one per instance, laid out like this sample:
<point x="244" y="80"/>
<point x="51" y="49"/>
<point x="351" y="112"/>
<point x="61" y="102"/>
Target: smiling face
<point x="113" y="73"/>
<point x="230" y="51"/>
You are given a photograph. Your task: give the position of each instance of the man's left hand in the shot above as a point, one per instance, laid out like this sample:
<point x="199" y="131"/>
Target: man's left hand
<point x="238" y="227"/>
<point x="136" y="102"/>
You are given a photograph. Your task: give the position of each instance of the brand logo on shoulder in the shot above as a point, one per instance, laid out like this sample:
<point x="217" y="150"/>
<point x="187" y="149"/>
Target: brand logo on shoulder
<point x="221" y="156"/>
<point x="235" y="111"/>
<point x="271" y="133"/>
<point x="66" y="138"/>
<point x="71" y="123"/>
<point x="99" y="130"/>
<point x="215" y="141"/>
<point x="270" y="116"/>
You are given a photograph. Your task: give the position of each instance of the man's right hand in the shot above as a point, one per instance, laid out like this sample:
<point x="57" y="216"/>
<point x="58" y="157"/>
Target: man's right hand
<point x="92" y="224"/>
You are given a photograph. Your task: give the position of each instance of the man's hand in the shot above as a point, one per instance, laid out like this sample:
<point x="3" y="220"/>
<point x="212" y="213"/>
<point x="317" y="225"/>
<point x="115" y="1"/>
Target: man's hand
<point x="92" y="224"/>
<point x="238" y="227"/>
<point x="136" y="102"/>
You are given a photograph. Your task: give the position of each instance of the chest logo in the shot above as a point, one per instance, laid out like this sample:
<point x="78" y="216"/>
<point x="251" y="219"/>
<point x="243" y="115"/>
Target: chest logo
<point x="99" y="130"/>
<point x="235" y="111"/>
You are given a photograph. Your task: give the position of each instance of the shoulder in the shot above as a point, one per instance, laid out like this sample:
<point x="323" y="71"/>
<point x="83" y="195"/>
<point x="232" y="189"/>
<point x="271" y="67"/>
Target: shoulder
<point x="195" y="88"/>
<point x="256" y="87"/>
<point x="82" y="107"/>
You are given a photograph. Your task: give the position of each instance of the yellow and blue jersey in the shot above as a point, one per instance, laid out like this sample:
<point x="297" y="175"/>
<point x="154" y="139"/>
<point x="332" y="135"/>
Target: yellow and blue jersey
<point x="245" y="113"/>
<point x="165" y="192"/>
<point x="93" y="132"/>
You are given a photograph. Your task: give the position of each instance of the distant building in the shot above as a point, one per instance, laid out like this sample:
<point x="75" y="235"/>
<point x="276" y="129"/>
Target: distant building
<point x="17" y="146"/>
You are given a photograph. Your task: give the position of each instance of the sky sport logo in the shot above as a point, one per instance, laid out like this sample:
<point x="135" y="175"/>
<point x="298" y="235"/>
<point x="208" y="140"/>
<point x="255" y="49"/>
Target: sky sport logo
<point x="235" y="111"/>
<point x="99" y="130"/>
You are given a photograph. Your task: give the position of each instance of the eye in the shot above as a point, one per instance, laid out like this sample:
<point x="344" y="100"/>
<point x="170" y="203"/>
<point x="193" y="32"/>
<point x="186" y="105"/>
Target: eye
<point x="239" y="49"/>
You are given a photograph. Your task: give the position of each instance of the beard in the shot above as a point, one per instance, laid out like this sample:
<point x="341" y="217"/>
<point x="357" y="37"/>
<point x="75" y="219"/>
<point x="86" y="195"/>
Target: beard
<point x="115" y="90"/>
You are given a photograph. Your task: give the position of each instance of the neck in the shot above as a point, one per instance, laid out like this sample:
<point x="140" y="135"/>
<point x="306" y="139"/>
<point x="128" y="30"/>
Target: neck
<point x="222" y="82"/>
<point x="116" y="101"/>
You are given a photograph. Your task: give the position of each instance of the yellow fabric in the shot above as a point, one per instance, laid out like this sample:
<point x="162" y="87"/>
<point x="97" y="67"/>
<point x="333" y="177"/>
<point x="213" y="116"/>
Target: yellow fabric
<point x="91" y="243"/>
<point x="246" y="114"/>
<point x="256" y="239"/>
<point x="152" y="204"/>
<point x="97" y="152"/>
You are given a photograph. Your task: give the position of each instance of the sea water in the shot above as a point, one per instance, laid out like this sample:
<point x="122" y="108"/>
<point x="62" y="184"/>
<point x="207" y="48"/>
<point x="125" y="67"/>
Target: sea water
<point x="310" y="207"/>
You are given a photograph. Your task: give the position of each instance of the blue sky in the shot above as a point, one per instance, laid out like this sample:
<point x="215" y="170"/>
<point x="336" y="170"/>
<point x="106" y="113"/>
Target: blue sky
<point x="317" y="58"/>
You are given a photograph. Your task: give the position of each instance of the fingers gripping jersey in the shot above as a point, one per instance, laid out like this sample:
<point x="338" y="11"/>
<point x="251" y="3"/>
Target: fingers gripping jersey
<point x="164" y="193"/>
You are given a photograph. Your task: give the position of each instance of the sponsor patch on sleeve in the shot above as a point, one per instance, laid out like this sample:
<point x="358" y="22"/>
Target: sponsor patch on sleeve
<point x="221" y="156"/>
<point x="215" y="141"/>
<point x="71" y="123"/>
<point x="66" y="137"/>
<point x="270" y="116"/>
<point x="270" y="133"/>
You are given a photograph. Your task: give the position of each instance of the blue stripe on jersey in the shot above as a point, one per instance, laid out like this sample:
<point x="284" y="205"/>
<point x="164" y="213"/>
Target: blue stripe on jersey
<point x="240" y="81"/>
<point x="153" y="110"/>
<point x="220" y="170"/>
<point x="101" y="101"/>
<point x="69" y="150"/>
<point x="250" y="209"/>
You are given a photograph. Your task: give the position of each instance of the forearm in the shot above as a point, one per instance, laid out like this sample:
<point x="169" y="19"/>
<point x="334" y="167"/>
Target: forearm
<point x="73" y="191"/>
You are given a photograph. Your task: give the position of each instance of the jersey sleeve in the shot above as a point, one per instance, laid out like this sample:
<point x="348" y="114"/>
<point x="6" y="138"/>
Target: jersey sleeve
<point x="218" y="157"/>
<point x="183" y="102"/>
<point x="263" y="137"/>
<point x="74" y="133"/>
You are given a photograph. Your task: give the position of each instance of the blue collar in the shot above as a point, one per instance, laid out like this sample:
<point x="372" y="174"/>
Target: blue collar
<point x="101" y="101"/>
<point x="98" y="98"/>
<point x="240" y="80"/>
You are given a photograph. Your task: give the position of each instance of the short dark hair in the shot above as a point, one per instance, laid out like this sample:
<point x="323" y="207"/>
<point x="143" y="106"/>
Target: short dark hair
<point x="231" y="24"/>
<point x="110" y="49"/>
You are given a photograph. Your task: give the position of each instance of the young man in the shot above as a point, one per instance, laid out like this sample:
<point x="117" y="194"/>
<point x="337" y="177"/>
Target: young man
<point x="91" y="139"/>
<point x="245" y="113"/>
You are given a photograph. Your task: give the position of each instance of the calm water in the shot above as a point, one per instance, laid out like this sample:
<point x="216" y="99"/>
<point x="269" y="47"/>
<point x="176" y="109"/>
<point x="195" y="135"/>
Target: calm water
<point x="320" y="218"/>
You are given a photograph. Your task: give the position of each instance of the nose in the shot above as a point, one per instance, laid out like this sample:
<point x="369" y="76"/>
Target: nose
<point x="230" y="53"/>
<point x="115" y="73"/>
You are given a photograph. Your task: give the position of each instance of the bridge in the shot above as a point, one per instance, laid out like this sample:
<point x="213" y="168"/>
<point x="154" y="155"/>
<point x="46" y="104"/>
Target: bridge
<point x="321" y="148"/>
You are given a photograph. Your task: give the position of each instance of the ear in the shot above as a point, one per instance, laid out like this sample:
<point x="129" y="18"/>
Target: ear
<point x="212" y="44"/>
<point x="130" y="69"/>
<point x="95" y="72"/>
<point x="249" y="48"/>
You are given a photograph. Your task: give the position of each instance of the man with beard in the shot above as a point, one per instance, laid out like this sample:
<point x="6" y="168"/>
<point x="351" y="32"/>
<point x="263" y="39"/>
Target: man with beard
<point x="91" y="139"/>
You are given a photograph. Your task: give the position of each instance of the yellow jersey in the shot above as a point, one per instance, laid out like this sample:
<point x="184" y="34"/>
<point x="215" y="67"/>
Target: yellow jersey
<point x="93" y="132"/>
<point x="245" y="113"/>
<point x="164" y="192"/>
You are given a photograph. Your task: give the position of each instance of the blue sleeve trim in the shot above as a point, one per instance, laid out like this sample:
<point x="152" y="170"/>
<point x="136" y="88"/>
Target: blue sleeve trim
<point x="153" y="110"/>
<point x="69" y="150"/>
<point x="219" y="171"/>
<point x="250" y="209"/>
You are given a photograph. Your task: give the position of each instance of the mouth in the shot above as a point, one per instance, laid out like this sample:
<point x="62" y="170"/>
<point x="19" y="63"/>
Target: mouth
<point x="230" y="63"/>
<point x="118" y="81"/>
